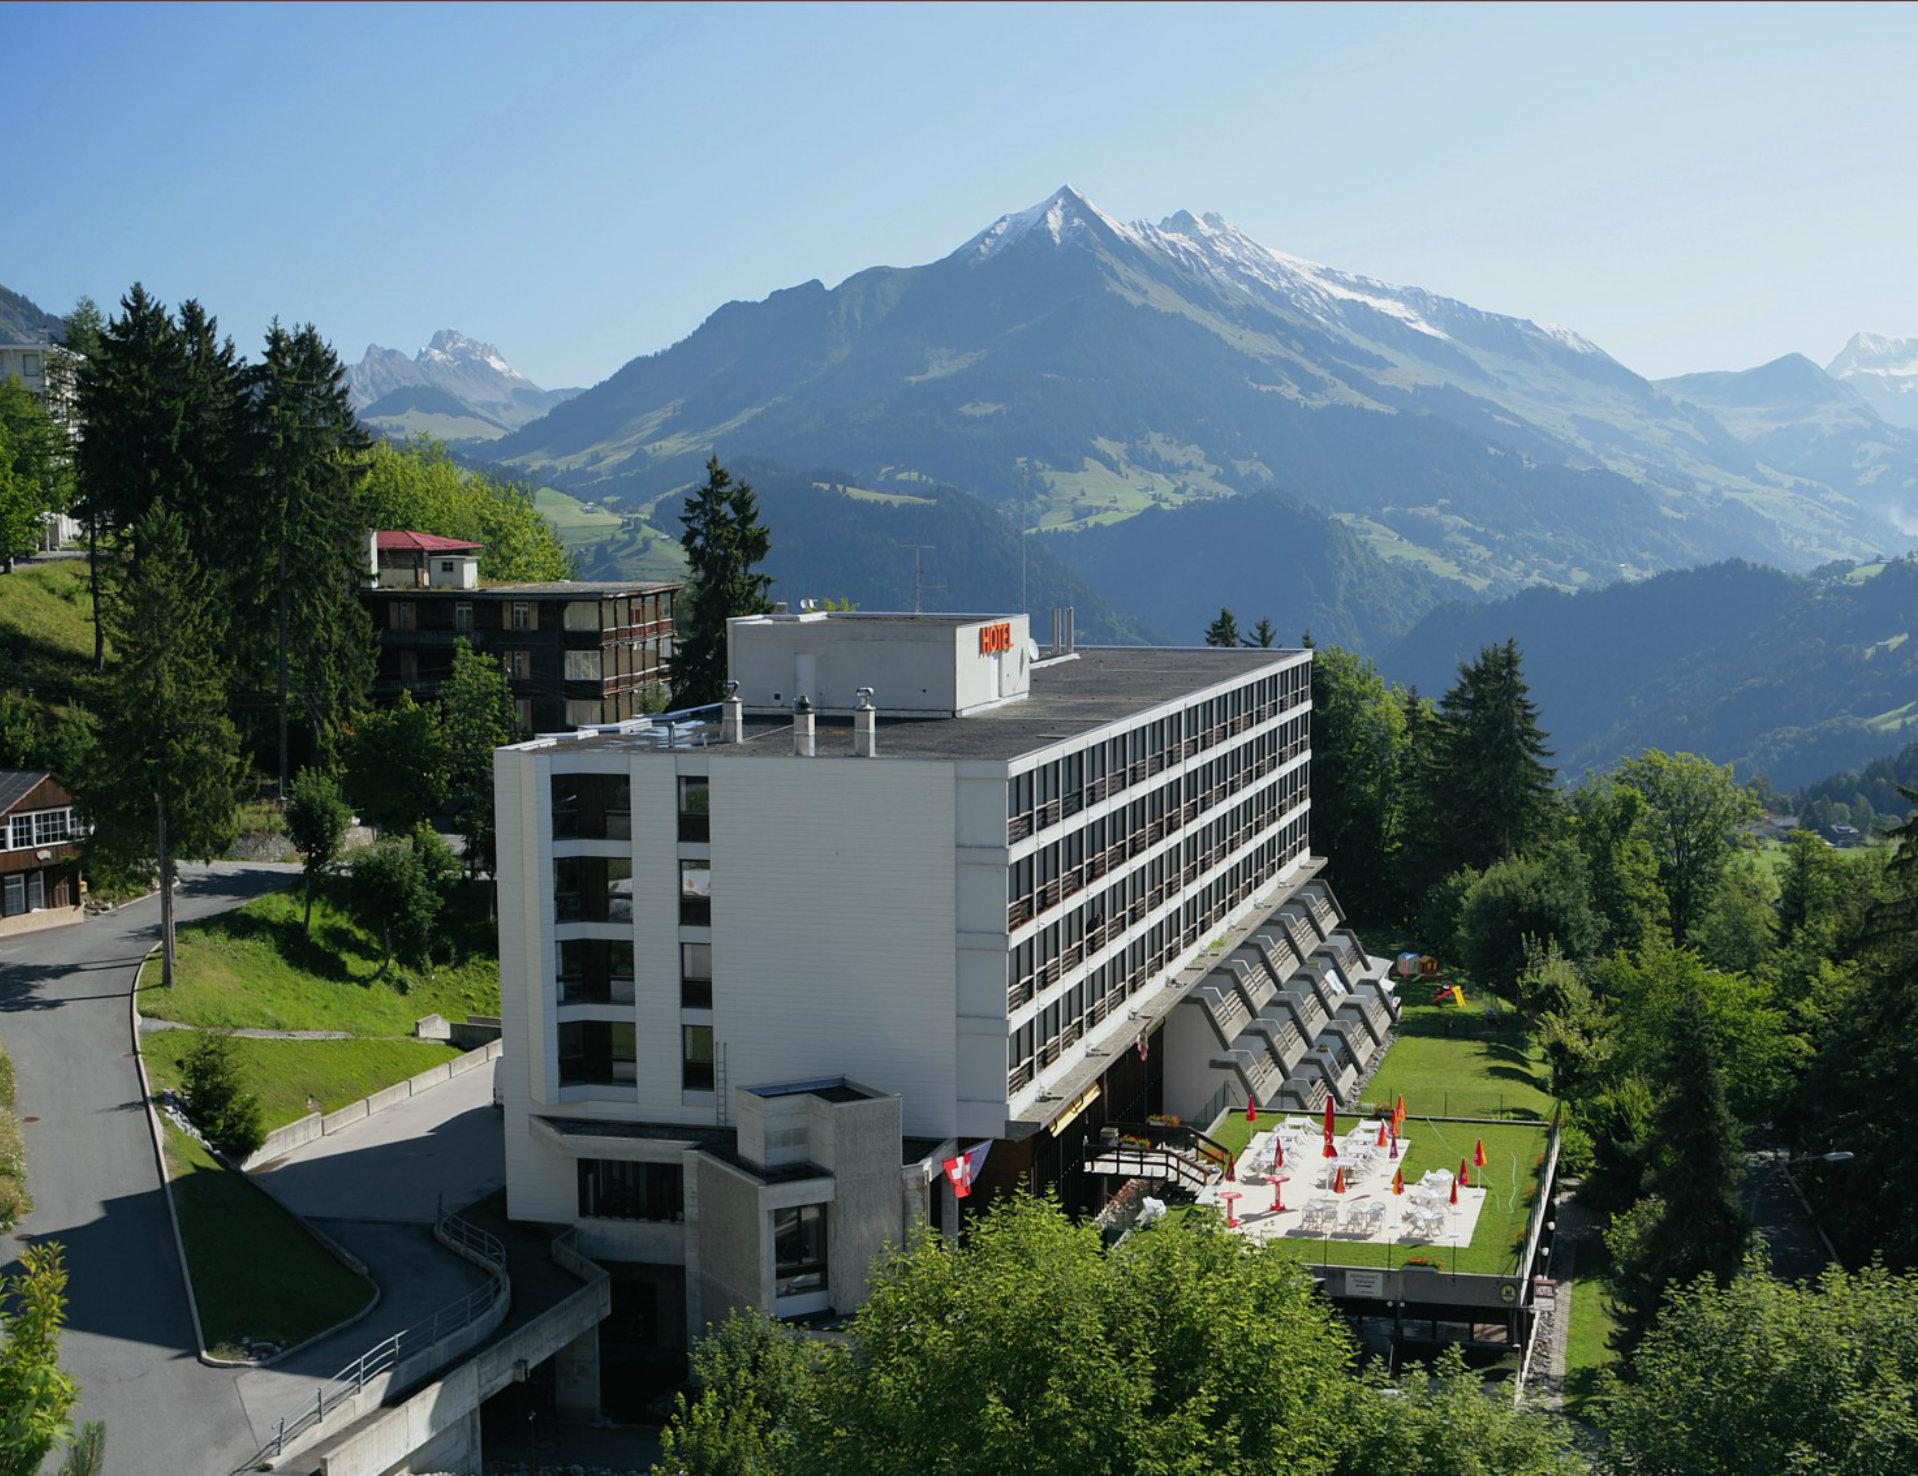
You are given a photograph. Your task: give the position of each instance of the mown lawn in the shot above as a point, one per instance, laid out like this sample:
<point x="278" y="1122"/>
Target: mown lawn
<point x="1588" y="1346"/>
<point x="1513" y="1153"/>
<point x="295" y="1077"/>
<point x="257" y="1275"/>
<point x="255" y="968"/>
<point x="1452" y="1062"/>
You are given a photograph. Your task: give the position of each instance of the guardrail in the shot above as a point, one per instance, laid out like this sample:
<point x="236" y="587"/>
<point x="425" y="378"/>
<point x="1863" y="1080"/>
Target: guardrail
<point x="466" y="1240"/>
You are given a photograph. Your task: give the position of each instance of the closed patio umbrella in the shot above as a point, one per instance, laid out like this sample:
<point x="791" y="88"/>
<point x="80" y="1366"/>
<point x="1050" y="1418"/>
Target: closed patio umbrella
<point x="1478" y="1154"/>
<point x="1338" y="1184"/>
<point x="1251" y="1110"/>
<point x="1398" y="1181"/>
<point x="1464" y="1173"/>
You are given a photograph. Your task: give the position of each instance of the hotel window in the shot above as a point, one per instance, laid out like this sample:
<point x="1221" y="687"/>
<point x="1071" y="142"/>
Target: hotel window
<point x="696" y="893"/>
<point x="583" y="666"/>
<point x="592" y="807"/>
<point x="462" y="616"/>
<point x="696" y="976"/>
<point x="596" y="1053"/>
<point x="799" y="1249"/>
<point x="518" y="665"/>
<point x="595" y="971"/>
<point x="581" y="615"/>
<point x="49" y="827"/>
<point x="522" y="615"/>
<point x="402" y="615"/>
<point x="614" y="1190"/>
<point x="696" y="1058"/>
<point x="524" y="707"/>
<point x="22" y="832"/>
<point x="592" y="889"/>
<point x="694" y="816"/>
<point x="584" y="712"/>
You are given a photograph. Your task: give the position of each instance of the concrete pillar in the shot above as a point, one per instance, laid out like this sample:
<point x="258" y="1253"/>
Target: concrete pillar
<point x="455" y="1451"/>
<point x="576" y="1377"/>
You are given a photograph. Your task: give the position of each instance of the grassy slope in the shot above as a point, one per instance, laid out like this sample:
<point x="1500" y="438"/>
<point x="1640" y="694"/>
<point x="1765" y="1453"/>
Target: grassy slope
<point x="253" y="968"/>
<point x="295" y="1077"/>
<point x="1450" y="1062"/>
<point x="46" y="630"/>
<point x="1588" y="1347"/>
<point x="257" y="1275"/>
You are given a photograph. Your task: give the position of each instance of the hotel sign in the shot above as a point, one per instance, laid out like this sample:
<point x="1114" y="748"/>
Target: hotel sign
<point x="995" y="638"/>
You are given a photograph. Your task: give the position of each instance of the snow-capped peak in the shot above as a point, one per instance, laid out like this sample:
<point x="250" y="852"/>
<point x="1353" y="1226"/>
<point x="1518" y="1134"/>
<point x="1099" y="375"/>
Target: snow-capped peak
<point x="1876" y="353"/>
<point x="1065" y="217"/>
<point x="450" y="346"/>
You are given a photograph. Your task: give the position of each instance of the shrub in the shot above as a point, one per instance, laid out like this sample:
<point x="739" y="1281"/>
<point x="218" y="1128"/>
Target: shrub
<point x="226" y="1113"/>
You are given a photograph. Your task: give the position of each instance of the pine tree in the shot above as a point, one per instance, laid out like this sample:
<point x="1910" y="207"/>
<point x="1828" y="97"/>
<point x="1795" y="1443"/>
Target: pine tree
<point x="163" y="787"/>
<point x="724" y="543"/>
<point x="131" y="399"/>
<point x="1224" y="631"/>
<point x="1263" y="636"/>
<point x="1483" y="791"/>
<point x="305" y="538"/>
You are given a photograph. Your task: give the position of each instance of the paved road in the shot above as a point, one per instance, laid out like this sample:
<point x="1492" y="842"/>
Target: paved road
<point x="90" y="1167"/>
<point x="63" y="1014"/>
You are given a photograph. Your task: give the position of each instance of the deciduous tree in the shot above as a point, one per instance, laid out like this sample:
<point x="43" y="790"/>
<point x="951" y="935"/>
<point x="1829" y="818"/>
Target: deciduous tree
<point x="36" y="1394"/>
<point x="480" y="717"/>
<point x="397" y="765"/>
<point x="317" y="820"/>
<point x="1697" y="812"/>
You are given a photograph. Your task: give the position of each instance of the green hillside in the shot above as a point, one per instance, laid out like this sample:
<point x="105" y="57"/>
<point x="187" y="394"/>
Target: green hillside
<point x="46" y="631"/>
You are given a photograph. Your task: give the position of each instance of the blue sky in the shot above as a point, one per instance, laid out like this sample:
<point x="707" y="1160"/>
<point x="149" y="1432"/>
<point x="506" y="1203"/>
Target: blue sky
<point x="1691" y="188"/>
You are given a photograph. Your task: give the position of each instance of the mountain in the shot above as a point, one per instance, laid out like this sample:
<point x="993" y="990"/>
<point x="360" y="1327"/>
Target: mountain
<point x="1883" y="370"/>
<point x="1103" y="368"/>
<point x="1800" y="419"/>
<point x="1790" y="676"/>
<point x="24" y="321"/>
<point x="454" y="388"/>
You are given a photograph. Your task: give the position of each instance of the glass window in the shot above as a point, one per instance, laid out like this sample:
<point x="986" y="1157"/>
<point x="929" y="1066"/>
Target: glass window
<point x="595" y="971"/>
<point x="49" y="827"/>
<point x="401" y="615"/>
<point x="524" y="707"/>
<point x="13" y="899"/>
<point x="592" y="889"/>
<point x="799" y="1249"/>
<point x="597" y="1053"/>
<point x="696" y="976"/>
<point x="582" y="615"/>
<point x="522" y="617"/>
<point x="592" y="807"/>
<point x="583" y="666"/>
<point x="518" y="665"/>
<point x="462" y="616"/>
<point x="409" y="666"/>
<point x="696" y="893"/>
<point x="612" y="1190"/>
<point x="583" y="712"/>
<point x="36" y="890"/>
<point x="696" y="1058"/>
<point x="22" y="832"/>
<point x="694" y="821"/>
<point x="29" y="365"/>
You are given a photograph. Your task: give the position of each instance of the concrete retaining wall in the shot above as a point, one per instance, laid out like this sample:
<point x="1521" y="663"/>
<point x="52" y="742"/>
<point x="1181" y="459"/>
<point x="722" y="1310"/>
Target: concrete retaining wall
<point x="283" y="1140"/>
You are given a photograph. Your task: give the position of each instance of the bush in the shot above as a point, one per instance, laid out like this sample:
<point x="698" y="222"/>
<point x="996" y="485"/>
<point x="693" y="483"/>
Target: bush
<point x="227" y="1115"/>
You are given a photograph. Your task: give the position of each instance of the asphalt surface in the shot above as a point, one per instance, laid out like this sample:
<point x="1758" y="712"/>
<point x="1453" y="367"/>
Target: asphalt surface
<point x="97" y="1190"/>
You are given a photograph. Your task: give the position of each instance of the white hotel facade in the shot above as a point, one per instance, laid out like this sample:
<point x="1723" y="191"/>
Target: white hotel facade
<point x="916" y="885"/>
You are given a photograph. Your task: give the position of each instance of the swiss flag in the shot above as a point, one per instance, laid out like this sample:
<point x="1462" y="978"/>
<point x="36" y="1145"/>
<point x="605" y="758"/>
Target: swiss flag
<point x="965" y="1168"/>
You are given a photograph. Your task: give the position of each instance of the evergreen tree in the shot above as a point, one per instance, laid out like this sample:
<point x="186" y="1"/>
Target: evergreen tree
<point x="1263" y="636"/>
<point x="1224" y="631"/>
<point x="306" y="537"/>
<point x="216" y="487"/>
<point x="724" y="543"/>
<point x="1484" y="791"/>
<point x="163" y="785"/>
<point x="479" y="718"/>
<point x="131" y="400"/>
<point x="1694" y="1225"/>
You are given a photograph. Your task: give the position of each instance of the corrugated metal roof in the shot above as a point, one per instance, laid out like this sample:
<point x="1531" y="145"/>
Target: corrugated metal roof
<point x="405" y="541"/>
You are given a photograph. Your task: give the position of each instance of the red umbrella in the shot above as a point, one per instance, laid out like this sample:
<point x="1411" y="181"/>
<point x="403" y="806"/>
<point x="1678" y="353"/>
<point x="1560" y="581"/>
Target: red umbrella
<point x="1251" y="1110"/>
<point x="1381" y="1141"/>
<point x="1328" y="1120"/>
<point x="1338" y="1184"/>
<point x="1465" y="1173"/>
<point x="1398" y="1181"/>
<point x="1478" y="1154"/>
<point x="1231" y="1170"/>
<point x="1455" y="1191"/>
<point x="1398" y="1112"/>
<point x="1330" y="1151"/>
<point x="1278" y="1152"/>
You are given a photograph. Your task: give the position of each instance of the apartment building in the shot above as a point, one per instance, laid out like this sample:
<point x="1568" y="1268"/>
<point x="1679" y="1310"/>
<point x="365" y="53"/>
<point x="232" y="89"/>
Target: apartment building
<point x="914" y="887"/>
<point x="575" y="653"/>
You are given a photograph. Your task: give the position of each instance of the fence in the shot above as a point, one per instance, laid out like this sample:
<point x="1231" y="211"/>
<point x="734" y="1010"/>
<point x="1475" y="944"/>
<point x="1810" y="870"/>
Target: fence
<point x="385" y="1357"/>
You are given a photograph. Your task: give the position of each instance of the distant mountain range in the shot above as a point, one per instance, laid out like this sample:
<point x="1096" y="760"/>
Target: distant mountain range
<point x="1089" y="369"/>
<point x="454" y="388"/>
<point x="1791" y="676"/>
<point x="1885" y="371"/>
<point x="24" y="321"/>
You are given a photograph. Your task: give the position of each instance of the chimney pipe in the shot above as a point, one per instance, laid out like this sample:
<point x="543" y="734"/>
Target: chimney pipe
<point x="803" y="737"/>
<point x="732" y="716"/>
<point x="1054" y="649"/>
<point x="865" y="726"/>
<point x="1072" y="640"/>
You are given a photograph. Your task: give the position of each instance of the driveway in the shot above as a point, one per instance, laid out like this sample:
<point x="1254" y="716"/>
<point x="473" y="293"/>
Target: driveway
<point x="90" y="1166"/>
<point x="96" y="1188"/>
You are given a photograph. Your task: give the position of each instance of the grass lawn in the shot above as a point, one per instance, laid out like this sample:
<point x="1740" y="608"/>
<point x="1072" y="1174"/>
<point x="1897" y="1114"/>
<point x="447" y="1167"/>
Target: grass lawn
<point x="1453" y="1062"/>
<point x="1512" y="1152"/>
<point x="295" y="1077"/>
<point x="253" y="967"/>
<point x="257" y="1275"/>
<point x="1588" y="1346"/>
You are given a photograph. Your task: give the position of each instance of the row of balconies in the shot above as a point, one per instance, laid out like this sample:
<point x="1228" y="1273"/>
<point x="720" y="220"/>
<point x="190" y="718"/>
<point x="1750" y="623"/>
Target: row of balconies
<point x="1051" y="812"/>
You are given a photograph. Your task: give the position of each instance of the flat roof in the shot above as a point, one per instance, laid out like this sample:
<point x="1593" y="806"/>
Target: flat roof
<point x="536" y="587"/>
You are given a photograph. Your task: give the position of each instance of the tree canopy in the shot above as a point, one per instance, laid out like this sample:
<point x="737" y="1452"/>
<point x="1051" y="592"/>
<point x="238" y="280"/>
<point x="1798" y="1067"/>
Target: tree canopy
<point x="418" y="486"/>
<point x="725" y="544"/>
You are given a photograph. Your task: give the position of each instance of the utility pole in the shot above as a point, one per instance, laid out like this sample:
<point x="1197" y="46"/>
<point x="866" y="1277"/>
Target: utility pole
<point x="919" y="585"/>
<point x="1025" y="478"/>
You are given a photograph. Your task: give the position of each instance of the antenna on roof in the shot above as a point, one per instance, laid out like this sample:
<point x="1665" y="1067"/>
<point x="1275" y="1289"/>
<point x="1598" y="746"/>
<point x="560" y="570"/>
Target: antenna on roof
<point x="919" y="585"/>
<point x="1025" y="469"/>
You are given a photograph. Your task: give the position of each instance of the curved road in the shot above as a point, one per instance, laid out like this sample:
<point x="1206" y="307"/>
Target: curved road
<point x="97" y="1190"/>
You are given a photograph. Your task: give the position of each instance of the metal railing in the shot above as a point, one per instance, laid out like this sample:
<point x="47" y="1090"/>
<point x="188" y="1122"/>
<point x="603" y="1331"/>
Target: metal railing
<point x="467" y="1239"/>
